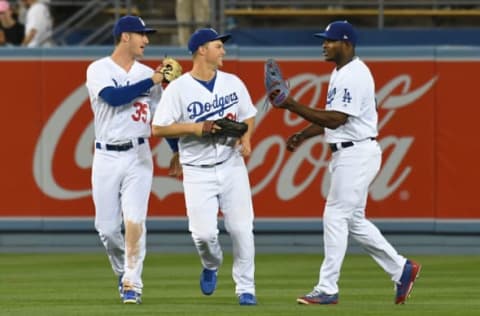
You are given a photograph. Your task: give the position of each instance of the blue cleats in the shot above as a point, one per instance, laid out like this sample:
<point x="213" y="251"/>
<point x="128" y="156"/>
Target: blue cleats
<point x="208" y="281"/>
<point x="131" y="297"/>
<point x="247" y="299"/>
<point x="410" y="273"/>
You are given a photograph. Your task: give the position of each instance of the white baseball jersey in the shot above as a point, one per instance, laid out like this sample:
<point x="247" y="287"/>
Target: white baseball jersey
<point x="187" y="100"/>
<point x="351" y="90"/>
<point x="117" y="124"/>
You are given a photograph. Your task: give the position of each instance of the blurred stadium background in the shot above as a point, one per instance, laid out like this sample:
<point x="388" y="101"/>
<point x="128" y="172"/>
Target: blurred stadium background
<point x="435" y="43"/>
<point x="278" y="22"/>
<point x="87" y="22"/>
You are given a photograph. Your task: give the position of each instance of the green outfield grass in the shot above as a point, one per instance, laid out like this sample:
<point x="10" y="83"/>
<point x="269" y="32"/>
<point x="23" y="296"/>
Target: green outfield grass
<point x="83" y="284"/>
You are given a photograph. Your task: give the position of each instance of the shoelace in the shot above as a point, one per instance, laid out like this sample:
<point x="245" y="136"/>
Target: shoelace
<point x="314" y="293"/>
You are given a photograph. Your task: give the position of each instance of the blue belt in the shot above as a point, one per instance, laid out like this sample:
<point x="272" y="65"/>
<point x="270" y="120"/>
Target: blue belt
<point x="120" y="147"/>
<point x="336" y="146"/>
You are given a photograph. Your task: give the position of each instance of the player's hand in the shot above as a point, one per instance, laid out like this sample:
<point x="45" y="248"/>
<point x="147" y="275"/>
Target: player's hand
<point x="286" y="104"/>
<point x="209" y="128"/>
<point x="175" y="169"/>
<point x="294" y="141"/>
<point x="158" y="75"/>
<point x="245" y="146"/>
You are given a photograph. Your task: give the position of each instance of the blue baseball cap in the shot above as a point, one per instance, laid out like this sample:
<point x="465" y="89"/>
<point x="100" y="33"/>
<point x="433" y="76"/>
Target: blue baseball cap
<point x="130" y="23"/>
<point x="339" y="31"/>
<point x="202" y="36"/>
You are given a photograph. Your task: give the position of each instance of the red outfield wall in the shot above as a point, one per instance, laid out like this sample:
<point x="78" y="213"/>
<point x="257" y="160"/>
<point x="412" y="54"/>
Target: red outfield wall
<point x="428" y="129"/>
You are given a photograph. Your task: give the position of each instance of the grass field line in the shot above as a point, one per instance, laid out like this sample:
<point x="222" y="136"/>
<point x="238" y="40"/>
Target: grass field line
<point x="83" y="284"/>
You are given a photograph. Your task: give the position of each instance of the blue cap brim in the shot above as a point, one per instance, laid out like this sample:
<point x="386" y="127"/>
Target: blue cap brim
<point x="146" y="30"/>
<point x="223" y="38"/>
<point x="325" y="36"/>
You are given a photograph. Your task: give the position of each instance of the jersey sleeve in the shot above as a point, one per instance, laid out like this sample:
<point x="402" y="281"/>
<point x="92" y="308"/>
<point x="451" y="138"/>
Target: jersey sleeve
<point x="246" y="108"/>
<point x="97" y="79"/>
<point x="168" y="110"/>
<point x="344" y="95"/>
<point x="156" y="95"/>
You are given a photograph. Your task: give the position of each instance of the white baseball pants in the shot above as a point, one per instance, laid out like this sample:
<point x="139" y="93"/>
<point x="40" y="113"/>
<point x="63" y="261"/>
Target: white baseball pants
<point x="225" y="187"/>
<point x="352" y="171"/>
<point x="121" y="185"/>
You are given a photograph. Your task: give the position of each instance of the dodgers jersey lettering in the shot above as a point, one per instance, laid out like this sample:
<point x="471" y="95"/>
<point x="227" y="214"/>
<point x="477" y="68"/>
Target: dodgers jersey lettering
<point x="352" y="91"/>
<point x="187" y="100"/>
<point x="120" y="123"/>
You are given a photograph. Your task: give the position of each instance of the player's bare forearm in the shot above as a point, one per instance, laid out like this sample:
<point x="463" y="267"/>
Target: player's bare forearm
<point x="323" y="118"/>
<point x="295" y="140"/>
<point x="251" y="125"/>
<point x="312" y="130"/>
<point x="246" y="148"/>
<point x="177" y="129"/>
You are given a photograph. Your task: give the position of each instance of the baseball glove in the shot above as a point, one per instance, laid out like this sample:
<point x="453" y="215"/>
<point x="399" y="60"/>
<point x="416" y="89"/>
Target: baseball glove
<point x="275" y="84"/>
<point x="229" y="128"/>
<point x="171" y="69"/>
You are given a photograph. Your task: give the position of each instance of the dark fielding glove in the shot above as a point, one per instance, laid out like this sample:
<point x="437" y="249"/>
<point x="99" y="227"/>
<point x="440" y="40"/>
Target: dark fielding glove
<point x="229" y="128"/>
<point x="275" y="85"/>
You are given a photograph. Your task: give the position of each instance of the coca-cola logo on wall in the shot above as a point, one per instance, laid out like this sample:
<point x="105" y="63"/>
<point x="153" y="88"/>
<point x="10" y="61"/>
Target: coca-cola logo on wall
<point x="392" y="97"/>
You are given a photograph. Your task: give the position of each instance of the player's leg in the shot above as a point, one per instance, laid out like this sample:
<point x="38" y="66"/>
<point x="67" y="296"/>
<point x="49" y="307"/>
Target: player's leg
<point x="335" y="226"/>
<point x="376" y="245"/>
<point x="402" y="271"/>
<point x="108" y="215"/>
<point x="236" y="205"/>
<point x="347" y="175"/>
<point x="201" y="198"/>
<point x="135" y="193"/>
<point x="361" y="229"/>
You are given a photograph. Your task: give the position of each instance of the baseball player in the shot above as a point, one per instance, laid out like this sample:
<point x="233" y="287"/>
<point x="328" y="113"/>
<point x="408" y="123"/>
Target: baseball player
<point x="214" y="172"/>
<point x="349" y="125"/>
<point x="122" y="94"/>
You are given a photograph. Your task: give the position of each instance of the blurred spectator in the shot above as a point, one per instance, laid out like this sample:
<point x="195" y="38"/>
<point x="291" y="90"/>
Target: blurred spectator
<point x="38" y="24"/>
<point x="337" y="5"/>
<point x="22" y="9"/>
<point x="191" y="14"/>
<point x="11" y="31"/>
